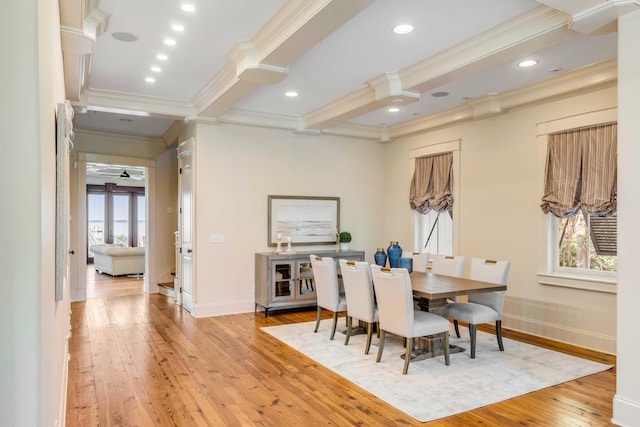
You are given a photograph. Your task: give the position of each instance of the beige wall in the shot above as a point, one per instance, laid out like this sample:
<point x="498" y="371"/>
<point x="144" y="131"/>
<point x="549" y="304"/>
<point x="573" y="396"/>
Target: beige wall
<point x="34" y="326"/>
<point x="238" y="167"/>
<point x="166" y="207"/>
<point x="501" y="181"/>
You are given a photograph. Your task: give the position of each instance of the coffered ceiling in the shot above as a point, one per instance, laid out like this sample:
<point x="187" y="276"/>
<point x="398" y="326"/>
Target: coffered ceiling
<point x="233" y="61"/>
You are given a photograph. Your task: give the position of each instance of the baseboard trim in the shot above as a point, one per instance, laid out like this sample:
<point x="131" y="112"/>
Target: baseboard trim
<point x="210" y="310"/>
<point x="626" y="413"/>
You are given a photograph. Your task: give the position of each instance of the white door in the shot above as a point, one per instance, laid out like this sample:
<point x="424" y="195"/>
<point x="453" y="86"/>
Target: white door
<point x="186" y="256"/>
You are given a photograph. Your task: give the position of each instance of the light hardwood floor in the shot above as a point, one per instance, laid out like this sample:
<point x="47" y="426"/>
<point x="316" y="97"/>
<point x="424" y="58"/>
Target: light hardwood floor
<point x="105" y="286"/>
<point x="141" y="361"/>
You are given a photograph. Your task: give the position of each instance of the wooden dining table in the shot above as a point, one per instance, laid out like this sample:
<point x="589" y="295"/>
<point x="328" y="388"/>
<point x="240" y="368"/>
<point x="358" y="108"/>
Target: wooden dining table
<point x="432" y="292"/>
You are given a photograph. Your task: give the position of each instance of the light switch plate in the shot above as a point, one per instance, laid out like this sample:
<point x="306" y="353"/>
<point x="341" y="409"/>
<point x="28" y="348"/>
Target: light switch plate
<point x="216" y="238"/>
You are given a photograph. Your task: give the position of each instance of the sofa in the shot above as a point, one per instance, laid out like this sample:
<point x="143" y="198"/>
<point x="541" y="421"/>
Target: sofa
<point x="118" y="260"/>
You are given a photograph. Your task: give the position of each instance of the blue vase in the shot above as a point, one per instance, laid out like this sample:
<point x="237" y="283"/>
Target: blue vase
<point x="380" y="257"/>
<point x="406" y="263"/>
<point x="394" y="251"/>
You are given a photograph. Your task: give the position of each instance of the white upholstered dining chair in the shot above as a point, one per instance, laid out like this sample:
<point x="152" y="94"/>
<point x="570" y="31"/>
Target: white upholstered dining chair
<point x="484" y="307"/>
<point x="420" y="260"/>
<point x="361" y="305"/>
<point x="328" y="292"/>
<point x="449" y="266"/>
<point x="398" y="316"/>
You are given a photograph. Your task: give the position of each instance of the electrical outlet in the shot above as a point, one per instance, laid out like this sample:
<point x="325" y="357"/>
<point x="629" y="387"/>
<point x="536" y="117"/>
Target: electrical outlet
<point x="216" y="238"/>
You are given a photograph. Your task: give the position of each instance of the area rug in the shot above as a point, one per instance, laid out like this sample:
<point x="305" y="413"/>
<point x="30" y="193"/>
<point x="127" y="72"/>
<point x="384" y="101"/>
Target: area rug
<point x="432" y="390"/>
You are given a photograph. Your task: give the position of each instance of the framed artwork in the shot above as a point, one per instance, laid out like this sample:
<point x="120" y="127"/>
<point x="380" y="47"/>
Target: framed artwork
<point x="64" y="136"/>
<point x="305" y="220"/>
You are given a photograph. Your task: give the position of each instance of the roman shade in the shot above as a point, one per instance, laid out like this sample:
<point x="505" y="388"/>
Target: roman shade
<point x="581" y="172"/>
<point x="431" y="184"/>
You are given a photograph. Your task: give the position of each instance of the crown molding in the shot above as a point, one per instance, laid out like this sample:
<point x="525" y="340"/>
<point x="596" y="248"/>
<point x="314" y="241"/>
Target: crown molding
<point x="590" y="18"/>
<point x="110" y="136"/>
<point x="126" y="103"/>
<point x="80" y="23"/>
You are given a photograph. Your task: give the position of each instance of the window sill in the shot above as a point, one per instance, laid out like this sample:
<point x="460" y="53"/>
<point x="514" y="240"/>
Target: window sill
<point x="599" y="284"/>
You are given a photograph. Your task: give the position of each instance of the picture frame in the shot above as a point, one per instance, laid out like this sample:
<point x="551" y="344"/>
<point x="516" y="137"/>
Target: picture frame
<point x="306" y="220"/>
<point x="64" y="145"/>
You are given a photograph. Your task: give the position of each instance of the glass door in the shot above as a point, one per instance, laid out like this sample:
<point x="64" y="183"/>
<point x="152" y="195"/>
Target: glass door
<point x="121" y="222"/>
<point x="96" y="224"/>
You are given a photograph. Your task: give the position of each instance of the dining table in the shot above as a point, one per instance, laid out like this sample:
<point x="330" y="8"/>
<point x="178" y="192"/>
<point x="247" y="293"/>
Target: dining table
<point x="431" y="293"/>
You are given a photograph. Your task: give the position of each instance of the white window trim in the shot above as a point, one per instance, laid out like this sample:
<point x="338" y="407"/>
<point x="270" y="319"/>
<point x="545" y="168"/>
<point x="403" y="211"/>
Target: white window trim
<point x="591" y="281"/>
<point x="454" y="147"/>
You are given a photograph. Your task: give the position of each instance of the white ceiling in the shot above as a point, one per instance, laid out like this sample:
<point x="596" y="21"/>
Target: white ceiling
<point x="236" y="58"/>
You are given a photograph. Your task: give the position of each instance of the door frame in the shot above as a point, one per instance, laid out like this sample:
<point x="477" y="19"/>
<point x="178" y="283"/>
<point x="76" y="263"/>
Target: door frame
<point x="79" y="292"/>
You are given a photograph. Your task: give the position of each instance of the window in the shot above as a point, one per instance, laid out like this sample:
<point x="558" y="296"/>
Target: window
<point x="580" y="197"/>
<point x="435" y="232"/>
<point x="585" y="243"/>
<point x="115" y="215"/>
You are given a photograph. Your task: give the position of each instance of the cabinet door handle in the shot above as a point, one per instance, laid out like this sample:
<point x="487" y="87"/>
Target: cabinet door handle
<point x="72" y="252"/>
<point x="188" y="251"/>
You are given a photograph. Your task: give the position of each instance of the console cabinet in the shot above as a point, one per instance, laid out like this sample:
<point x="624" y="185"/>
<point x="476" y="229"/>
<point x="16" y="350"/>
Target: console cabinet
<point x="286" y="280"/>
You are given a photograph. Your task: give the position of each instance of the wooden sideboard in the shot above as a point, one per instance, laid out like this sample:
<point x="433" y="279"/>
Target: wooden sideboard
<point x="285" y="280"/>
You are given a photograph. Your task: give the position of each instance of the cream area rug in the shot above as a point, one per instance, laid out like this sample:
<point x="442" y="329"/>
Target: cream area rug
<point x="432" y="390"/>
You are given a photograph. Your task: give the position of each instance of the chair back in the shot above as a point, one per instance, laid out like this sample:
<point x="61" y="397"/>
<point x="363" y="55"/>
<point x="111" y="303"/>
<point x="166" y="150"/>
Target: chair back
<point x="358" y="289"/>
<point x="395" y="299"/>
<point x="448" y="265"/>
<point x="420" y="260"/>
<point x="492" y="272"/>
<point x="326" y="279"/>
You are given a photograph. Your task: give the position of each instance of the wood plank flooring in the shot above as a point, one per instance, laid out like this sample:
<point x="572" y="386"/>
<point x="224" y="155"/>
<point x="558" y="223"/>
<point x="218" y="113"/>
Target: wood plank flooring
<point x="106" y="286"/>
<point x="139" y="360"/>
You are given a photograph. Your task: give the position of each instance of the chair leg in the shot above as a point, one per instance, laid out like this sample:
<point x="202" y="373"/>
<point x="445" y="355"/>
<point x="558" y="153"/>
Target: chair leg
<point x="455" y="326"/>
<point x="499" y="334"/>
<point x="369" y="333"/>
<point x="380" y="347"/>
<point x="472" y="334"/>
<point x="445" y="345"/>
<point x="348" y="334"/>
<point x="335" y="324"/>
<point x="407" y="356"/>
<point x="318" y="318"/>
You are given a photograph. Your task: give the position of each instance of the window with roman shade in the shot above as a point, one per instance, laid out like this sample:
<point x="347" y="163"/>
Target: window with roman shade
<point x="430" y="194"/>
<point x="580" y="189"/>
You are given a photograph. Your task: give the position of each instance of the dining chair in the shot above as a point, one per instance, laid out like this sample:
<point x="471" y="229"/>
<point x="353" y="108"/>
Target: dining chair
<point x="398" y="316"/>
<point x="449" y="266"/>
<point x="361" y="305"/>
<point x="420" y="260"/>
<point x="484" y="307"/>
<point x="328" y="292"/>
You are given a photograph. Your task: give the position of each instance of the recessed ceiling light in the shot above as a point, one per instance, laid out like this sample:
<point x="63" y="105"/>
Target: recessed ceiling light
<point x="527" y="63"/>
<point x="393" y="109"/>
<point x="124" y="37"/>
<point x="291" y="94"/>
<point x="169" y="42"/>
<point x="187" y="7"/>
<point x="403" y="29"/>
<point x="162" y="57"/>
<point x="177" y="27"/>
<point x="150" y="80"/>
<point x="439" y="94"/>
<point x="156" y="69"/>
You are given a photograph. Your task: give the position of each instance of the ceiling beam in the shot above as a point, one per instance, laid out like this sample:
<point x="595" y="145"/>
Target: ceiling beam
<point x="295" y="28"/>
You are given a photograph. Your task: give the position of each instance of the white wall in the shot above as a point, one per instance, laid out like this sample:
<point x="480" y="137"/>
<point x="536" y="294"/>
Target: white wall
<point x="501" y="183"/>
<point x="238" y="167"/>
<point x="626" y="408"/>
<point x="34" y="325"/>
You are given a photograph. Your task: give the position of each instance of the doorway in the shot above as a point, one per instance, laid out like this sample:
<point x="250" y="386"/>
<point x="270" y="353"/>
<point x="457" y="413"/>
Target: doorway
<point x="143" y="221"/>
